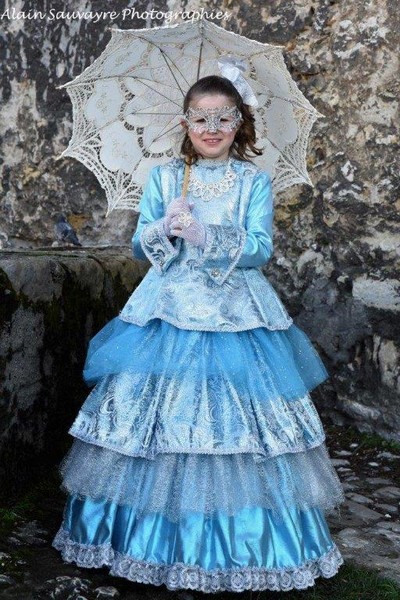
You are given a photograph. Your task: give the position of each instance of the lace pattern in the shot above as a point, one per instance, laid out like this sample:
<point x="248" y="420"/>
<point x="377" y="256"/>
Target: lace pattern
<point x="157" y="246"/>
<point x="181" y="576"/>
<point x="161" y="420"/>
<point x="224" y="245"/>
<point x="210" y="191"/>
<point x="114" y="151"/>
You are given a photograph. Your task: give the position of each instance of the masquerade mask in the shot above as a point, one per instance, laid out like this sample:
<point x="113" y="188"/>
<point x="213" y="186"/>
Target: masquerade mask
<point x="225" y="118"/>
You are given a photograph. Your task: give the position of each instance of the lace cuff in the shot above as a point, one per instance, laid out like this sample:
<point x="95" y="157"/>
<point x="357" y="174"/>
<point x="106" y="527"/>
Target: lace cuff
<point x="223" y="247"/>
<point x="157" y="246"/>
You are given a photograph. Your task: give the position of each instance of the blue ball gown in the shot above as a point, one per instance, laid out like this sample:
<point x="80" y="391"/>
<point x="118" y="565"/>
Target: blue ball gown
<point x="199" y="459"/>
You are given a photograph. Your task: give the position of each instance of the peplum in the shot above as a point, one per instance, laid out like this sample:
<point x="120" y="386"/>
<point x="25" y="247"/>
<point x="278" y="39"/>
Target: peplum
<point x="199" y="460"/>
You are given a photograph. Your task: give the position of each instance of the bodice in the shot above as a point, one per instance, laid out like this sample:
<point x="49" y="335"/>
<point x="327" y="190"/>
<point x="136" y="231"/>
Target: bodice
<point x="220" y="287"/>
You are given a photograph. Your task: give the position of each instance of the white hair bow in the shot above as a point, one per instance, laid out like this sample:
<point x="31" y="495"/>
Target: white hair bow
<point x="232" y="68"/>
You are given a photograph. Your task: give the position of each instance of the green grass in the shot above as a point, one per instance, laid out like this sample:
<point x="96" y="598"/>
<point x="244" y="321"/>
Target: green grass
<point x="8" y="518"/>
<point x="371" y="441"/>
<point x="352" y="583"/>
<point x="30" y="505"/>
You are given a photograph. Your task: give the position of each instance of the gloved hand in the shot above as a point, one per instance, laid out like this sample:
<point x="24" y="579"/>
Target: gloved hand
<point x="176" y="206"/>
<point x="194" y="233"/>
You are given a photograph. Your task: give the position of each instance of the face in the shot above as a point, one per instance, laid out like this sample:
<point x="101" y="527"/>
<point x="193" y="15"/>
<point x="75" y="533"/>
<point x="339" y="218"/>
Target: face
<point x="211" y="128"/>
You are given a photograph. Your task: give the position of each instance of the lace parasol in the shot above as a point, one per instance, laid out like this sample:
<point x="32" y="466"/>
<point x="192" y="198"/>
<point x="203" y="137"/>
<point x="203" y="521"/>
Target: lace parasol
<point x="127" y="105"/>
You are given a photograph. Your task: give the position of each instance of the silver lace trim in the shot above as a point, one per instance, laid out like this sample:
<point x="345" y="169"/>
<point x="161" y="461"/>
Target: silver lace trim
<point x="164" y="316"/>
<point x="181" y="576"/>
<point x="157" y="246"/>
<point x="208" y="191"/>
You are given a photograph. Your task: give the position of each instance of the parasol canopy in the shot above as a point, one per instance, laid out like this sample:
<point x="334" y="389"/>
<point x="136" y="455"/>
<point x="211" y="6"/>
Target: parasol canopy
<point x="127" y="105"/>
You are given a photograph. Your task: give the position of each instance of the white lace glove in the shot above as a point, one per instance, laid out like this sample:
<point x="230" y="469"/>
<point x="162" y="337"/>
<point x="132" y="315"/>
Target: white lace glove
<point x="177" y="205"/>
<point x="194" y="232"/>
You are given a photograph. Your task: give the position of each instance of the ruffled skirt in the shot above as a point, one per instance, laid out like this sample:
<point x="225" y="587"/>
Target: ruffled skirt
<point x="199" y="460"/>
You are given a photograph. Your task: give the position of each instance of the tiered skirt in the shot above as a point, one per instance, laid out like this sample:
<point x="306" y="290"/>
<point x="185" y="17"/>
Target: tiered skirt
<point x="199" y="460"/>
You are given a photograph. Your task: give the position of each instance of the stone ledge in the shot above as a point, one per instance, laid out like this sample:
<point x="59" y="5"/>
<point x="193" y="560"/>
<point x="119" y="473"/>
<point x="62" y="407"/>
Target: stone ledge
<point x="52" y="301"/>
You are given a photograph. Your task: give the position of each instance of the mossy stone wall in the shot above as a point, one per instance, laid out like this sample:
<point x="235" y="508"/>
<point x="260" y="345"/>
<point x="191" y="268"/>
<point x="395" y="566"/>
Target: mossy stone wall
<point x="51" y="304"/>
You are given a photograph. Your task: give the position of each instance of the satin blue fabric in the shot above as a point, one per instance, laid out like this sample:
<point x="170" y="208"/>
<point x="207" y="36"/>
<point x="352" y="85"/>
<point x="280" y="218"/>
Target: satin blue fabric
<point x="249" y="538"/>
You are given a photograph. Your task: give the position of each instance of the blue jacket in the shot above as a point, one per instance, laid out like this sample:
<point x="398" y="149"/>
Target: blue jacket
<point x="220" y="288"/>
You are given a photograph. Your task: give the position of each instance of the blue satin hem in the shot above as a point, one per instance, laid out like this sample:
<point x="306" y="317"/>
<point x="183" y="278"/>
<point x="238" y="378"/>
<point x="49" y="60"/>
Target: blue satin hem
<point x="252" y="537"/>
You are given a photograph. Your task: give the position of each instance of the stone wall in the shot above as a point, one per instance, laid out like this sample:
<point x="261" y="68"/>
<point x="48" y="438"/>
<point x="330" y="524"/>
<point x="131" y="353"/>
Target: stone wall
<point x="51" y="304"/>
<point x="336" y="263"/>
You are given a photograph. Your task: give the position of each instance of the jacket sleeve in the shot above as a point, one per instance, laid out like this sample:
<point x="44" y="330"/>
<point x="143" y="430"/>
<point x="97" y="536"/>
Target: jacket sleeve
<point x="229" y="246"/>
<point x="150" y="240"/>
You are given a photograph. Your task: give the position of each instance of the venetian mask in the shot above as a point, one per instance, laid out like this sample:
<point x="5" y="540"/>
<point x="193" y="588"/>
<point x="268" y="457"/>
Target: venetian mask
<point x="224" y="118"/>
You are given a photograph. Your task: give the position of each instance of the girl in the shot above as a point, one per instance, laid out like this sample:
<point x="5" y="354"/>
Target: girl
<point x="199" y="460"/>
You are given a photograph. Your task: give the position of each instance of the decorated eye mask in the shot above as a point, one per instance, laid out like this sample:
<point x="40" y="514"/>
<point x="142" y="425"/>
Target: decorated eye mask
<point x="225" y="118"/>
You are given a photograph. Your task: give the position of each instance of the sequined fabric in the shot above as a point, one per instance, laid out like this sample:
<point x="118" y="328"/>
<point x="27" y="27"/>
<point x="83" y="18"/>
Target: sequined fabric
<point x="160" y="390"/>
<point x="177" y="484"/>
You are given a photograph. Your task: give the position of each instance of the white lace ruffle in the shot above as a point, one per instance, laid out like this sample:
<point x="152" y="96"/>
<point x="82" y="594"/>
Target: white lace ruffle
<point x="181" y="576"/>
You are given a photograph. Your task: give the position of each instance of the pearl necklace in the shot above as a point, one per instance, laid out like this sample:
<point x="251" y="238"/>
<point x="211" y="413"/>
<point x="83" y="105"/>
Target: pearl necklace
<point x="208" y="191"/>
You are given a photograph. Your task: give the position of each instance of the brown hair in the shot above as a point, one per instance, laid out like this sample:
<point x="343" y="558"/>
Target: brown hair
<point x="245" y="137"/>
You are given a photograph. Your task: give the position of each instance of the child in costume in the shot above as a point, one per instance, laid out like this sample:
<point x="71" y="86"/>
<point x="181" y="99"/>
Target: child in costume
<point x="199" y="460"/>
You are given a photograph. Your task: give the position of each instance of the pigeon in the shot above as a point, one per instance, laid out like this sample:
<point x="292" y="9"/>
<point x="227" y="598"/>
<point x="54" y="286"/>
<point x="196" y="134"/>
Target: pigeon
<point x="65" y="232"/>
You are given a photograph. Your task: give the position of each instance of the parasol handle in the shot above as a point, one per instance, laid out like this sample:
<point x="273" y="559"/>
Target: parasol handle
<point x="185" y="180"/>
